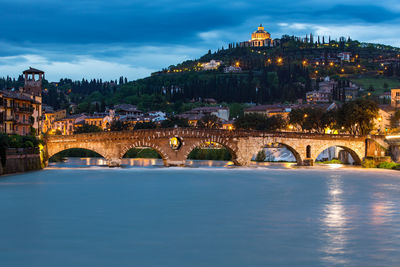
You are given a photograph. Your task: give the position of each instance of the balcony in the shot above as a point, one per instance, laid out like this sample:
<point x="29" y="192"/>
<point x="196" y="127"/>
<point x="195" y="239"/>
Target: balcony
<point x="24" y="109"/>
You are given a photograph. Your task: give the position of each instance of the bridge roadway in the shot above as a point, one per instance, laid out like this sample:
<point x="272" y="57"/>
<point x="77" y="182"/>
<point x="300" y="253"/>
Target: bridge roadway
<point x="242" y="144"/>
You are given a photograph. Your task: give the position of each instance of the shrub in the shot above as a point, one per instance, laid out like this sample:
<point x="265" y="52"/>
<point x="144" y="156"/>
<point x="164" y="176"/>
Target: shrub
<point x="368" y="163"/>
<point x="388" y="165"/>
<point x="332" y="161"/>
<point x="28" y="144"/>
<point x="261" y="156"/>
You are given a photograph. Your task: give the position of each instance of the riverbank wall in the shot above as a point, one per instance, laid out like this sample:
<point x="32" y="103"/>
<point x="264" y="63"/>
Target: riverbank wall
<point x="20" y="160"/>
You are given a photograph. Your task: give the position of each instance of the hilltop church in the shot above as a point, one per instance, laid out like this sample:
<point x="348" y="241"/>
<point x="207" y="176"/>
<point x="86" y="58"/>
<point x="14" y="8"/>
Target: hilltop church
<point x="259" y="38"/>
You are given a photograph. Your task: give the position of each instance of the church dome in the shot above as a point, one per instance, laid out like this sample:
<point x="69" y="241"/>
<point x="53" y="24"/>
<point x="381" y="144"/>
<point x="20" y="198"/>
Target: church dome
<point x="260" y="34"/>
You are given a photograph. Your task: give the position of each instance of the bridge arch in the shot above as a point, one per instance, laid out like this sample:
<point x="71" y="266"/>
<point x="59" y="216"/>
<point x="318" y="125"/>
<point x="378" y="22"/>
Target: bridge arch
<point x="355" y="154"/>
<point x="296" y="154"/>
<point x="232" y="150"/>
<point x="57" y="149"/>
<point x="144" y="143"/>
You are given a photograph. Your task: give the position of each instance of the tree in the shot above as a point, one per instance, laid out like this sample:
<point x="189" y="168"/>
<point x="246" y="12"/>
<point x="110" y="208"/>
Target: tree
<point x="145" y="125"/>
<point x="357" y="117"/>
<point x="117" y="126"/>
<point x="261" y="156"/>
<point x="254" y="121"/>
<point x="210" y="122"/>
<point x="87" y="128"/>
<point x="175" y="121"/>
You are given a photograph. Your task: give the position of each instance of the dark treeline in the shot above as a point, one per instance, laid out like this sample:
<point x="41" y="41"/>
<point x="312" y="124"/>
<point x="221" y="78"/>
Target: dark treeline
<point x="270" y="84"/>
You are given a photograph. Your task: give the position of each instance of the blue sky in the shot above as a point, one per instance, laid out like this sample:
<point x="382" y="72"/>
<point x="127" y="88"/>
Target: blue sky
<point x="107" y="39"/>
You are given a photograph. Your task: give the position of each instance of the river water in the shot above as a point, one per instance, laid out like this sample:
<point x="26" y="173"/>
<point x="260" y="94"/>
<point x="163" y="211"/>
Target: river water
<point x="72" y="215"/>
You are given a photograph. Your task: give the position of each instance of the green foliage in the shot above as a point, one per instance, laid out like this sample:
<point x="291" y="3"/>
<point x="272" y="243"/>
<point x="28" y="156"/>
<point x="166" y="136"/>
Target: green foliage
<point x="4" y="144"/>
<point x="145" y="125"/>
<point x="368" y="163"/>
<point x="28" y="143"/>
<point x="210" y="122"/>
<point x="236" y="110"/>
<point x="145" y="153"/>
<point x="175" y="121"/>
<point x="388" y="165"/>
<point x="87" y="128"/>
<point x="312" y="119"/>
<point x="210" y="154"/>
<point x="357" y="117"/>
<point x="254" y="121"/>
<point x="261" y="156"/>
<point x="74" y="152"/>
<point x="332" y="161"/>
<point x="18" y="141"/>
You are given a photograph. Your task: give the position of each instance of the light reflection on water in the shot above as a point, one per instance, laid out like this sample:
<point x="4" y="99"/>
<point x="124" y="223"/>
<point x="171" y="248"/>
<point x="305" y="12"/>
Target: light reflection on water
<point x="80" y="213"/>
<point x="334" y="224"/>
<point x="142" y="162"/>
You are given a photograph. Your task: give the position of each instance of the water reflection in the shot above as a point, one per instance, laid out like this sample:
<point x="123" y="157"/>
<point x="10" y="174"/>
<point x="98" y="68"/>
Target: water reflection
<point x="382" y="210"/>
<point x="334" y="223"/>
<point x="142" y="162"/>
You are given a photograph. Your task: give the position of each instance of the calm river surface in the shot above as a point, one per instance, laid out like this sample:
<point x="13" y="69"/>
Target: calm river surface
<point x="154" y="216"/>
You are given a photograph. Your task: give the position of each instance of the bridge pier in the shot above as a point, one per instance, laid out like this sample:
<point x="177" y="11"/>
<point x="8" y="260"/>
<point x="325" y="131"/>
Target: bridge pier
<point x="112" y="163"/>
<point x="307" y="162"/>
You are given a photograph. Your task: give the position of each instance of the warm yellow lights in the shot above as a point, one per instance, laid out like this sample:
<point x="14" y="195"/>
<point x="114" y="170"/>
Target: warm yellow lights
<point x="237" y="64"/>
<point x="379" y="118"/>
<point x="342" y="70"/>
<point x="305" y="115"/>
<point x="290" y="127"/>
<point x="304" y="62"/>
<point x="279" y="60"/>
<point x="331" y="64"/>
<point x="175" y="143"/>
<point x="358" y="66"/>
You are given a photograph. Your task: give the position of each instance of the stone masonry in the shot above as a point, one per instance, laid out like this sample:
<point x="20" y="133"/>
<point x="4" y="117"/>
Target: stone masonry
<point x="243" y="145"/>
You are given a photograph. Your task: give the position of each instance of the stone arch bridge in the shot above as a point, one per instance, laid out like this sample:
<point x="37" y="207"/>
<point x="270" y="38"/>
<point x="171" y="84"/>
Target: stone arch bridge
<point x="243" y="145"/>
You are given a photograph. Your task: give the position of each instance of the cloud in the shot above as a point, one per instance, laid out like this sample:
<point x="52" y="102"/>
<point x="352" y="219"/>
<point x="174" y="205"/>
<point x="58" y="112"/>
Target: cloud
<point x="107" y="39"/>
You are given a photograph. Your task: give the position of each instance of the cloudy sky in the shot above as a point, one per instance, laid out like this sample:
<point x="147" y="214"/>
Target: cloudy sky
<point x="108" y="39"/>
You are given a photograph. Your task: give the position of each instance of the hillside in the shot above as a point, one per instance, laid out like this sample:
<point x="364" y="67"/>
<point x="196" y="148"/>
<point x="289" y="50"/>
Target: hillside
<point x="283" y="73"/>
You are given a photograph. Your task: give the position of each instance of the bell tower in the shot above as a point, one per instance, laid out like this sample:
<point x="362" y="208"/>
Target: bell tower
<point x="33" y="81"/>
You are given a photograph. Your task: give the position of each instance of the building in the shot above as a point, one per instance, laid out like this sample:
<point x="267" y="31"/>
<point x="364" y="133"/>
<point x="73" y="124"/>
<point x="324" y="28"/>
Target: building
<point x="50" y="116"/>
<point x="127" y="110"/>
<point x="318" y="97"/>
<point x="212" y="65"/>
<point x="101" y="120"/>
<point x="350" y="93"/>
<point x="383" y="121"/>
<point x="269" y="110"/>
<point x="327" y="85"/>
<point x="33" y="88"/>
<point x="196" y="114"/>
<point x="345" y="56"/>
<point x="66" y="126"/>
<point x="157" y="116"/>
<point x="395" y="98"/>
<point x="259" y="38"/>
<point x="232" y="69"/>
<point x="18" y="111"/>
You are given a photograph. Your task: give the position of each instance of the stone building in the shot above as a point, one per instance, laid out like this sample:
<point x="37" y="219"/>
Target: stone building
<point x="259" y="38"/>
<point x="18" y="112"/>
<point x="395" y="98"/>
